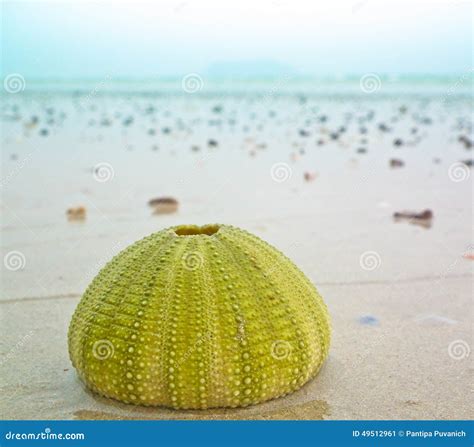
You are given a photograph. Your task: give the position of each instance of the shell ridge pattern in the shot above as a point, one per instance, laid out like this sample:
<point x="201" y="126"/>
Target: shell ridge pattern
<point x="284" y="351"/>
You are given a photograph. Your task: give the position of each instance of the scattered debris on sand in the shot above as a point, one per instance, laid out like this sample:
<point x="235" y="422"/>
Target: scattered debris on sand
<point x="310" y="176"/>
<point x="76" y="213"/>
<point x="164" y="205"/>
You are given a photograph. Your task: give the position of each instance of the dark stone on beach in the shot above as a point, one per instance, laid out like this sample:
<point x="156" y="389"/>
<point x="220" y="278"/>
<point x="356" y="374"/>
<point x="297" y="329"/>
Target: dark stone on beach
<point x="322" y="118"/>
<point x="423" y="215"/>
<point x="403" y="109"/>
<point x="128" y="121"/>
<point x="363" y="130"/>
<point x="320" y="142"/>
<point x="383" y="127"/>
<point x="342" y="129"/>
<point x="151" y="132"/>
<point x="44" y="132"/>
<point x="212" y="143"/>
<point x="414" y="130"/>
<point x="334" y="136"/>
<point x="361" y="150"/>
<point x="436" y="160"/>
<point x="217" y="109"/>
<point x="149" y="110"/>
<point x="465" y="141"/>
<point x="195" y="148"/>
<point x="469" y="163"/>
<point x="398" y="142"/>
<point x="396" y="163"/>
<point x="304" y="133"/>
<point x="166" y="130"/>
<point x="154" y="147"/>
<point x="13" y="157"/>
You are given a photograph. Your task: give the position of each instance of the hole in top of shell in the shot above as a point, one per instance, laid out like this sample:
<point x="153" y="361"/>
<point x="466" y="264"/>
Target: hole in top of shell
<point x="194" y="230"/>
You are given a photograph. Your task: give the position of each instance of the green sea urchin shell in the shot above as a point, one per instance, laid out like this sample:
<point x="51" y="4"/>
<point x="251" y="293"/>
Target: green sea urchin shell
<point x="199" y="317"/>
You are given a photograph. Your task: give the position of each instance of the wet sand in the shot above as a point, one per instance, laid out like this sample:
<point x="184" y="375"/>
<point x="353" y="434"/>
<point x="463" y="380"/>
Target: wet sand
<point x="399" y="294"/>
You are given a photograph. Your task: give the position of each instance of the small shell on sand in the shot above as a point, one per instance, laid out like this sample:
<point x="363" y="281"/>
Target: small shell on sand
<point x="76" y="213"/>
<point x="164" y="205"/>
<point x="422" y="218"/>
<point x="310" y="176"/>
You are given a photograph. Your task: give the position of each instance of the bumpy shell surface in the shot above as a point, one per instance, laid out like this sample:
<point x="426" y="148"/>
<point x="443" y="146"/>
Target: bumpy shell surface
<point x="199" y="317"/>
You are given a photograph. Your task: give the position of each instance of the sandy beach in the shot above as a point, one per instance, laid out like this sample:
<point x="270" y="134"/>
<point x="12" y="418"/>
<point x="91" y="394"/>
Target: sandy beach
<point x="309" y="170"/>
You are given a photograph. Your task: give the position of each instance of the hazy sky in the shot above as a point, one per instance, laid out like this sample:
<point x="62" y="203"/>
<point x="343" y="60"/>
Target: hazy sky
<point x="66" y="39"/>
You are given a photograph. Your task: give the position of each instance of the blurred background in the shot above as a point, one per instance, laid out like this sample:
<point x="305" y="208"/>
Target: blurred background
<point x="341" y="133"/>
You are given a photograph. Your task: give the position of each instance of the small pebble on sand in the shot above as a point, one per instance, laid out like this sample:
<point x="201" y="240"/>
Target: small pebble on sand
<point x="368" y="320"/>
<point x="76" y="213"/>
<point x="396" y="163"/>
<point x="163" y="205"/>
